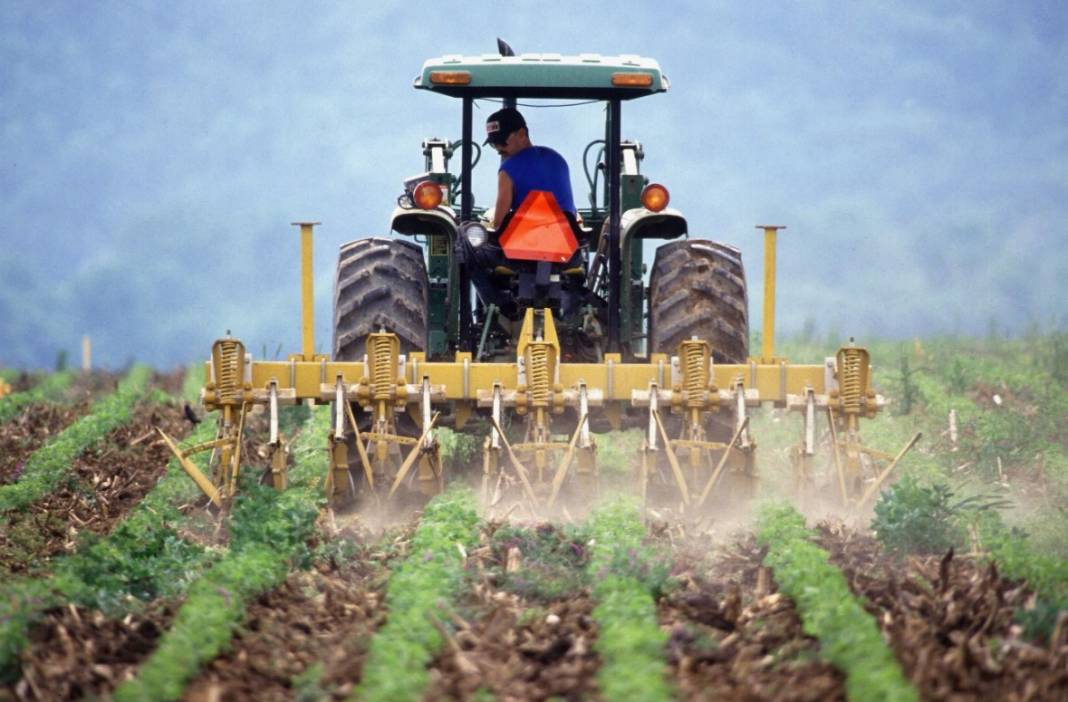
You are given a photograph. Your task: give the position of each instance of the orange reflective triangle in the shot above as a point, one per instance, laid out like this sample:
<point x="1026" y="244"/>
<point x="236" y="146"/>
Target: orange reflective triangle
<point x="539" y="231"/>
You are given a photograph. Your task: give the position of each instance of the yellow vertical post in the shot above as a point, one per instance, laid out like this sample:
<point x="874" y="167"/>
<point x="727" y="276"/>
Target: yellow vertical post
<point x="307" y="291"/>
<point x="770" y="233"/>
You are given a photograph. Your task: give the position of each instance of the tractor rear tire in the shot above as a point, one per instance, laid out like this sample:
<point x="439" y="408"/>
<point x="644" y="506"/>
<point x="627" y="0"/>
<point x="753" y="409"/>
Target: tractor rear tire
<point x="697" y="289"/>
<point x="380" y="284"/>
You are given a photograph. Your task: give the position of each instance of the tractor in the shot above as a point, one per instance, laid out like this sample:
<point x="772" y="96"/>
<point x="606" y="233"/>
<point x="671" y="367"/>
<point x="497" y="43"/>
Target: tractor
<point x="587" y="341"/>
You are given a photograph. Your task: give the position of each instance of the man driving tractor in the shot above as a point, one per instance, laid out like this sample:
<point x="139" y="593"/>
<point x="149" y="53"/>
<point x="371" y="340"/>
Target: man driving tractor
<point x="525" y="169"/>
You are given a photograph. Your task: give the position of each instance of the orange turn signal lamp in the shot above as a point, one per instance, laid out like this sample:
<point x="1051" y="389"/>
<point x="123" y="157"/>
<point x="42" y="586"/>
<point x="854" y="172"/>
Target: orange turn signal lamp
<point x="450" y="77"/>
<point x="427" y="195"/>
<point x="632" y="80"/>
<point x="655" y="197"/>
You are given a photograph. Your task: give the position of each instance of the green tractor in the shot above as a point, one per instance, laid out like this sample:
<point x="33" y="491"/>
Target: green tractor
<point x="601" y="301"/>
<point x="696" y="287"/>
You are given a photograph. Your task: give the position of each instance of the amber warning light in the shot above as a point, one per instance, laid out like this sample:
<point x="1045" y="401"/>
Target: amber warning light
<point x="427" y="195"/>
<point x="632" y="80"/>
<point x="655" y="197"/>
<point x="450" y="77"/>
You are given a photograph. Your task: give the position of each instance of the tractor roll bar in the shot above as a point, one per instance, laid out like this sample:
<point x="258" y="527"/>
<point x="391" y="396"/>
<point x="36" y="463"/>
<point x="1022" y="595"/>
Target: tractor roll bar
<point x="614" y="259"/>
<point x="466" y="205"/>
<point x="613" y="139"/>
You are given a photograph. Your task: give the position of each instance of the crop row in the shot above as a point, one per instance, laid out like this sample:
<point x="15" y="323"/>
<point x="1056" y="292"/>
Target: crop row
<point x="268" y="531"/>
<point x="143" y="557"/>
<point x="1044" y="573"/>
<point x="47" y="466"/>
<point x="50" y="388"/>
<point x="849" y="637"/>
<point x="627" y="576"/>
<point x="428" y="580"/>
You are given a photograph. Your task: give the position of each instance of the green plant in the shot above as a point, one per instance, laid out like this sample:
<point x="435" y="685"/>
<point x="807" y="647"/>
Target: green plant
<point x="627" y="575"/>
<point x="268" y="533"/>
<point x="459" y="450"/>
<point x="910" y="393"/>
<point x="47" y="466"/>
<point x="214" y="606"/>
<point x="554" y="560"/>
<point x="21" y="604"/>
<point x="143" y="557"/>
<point x="429" y="579"/>
<point x="307" y="686"/>
<point x="1047" y="575"/>
<point x="617" y="451"/>
<point x="849" y="637"/>
<point x="913" y="518"/>
<point x="1058" y="362"/>
<point x="50" y="388"/>
<point x="957" y="379"/>
<point x="192" y="382"/>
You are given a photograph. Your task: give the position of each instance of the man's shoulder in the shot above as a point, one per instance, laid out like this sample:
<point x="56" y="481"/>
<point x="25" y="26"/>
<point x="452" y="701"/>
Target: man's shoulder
<point x="546" y="152"/>
<point x="534" y="157"/>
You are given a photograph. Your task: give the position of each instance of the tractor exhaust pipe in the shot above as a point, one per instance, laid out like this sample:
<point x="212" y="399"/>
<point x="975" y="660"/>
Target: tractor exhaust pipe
<point x="505" y="50"/>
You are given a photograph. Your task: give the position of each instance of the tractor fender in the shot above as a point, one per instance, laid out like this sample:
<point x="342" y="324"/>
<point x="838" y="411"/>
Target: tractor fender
<point x="642" y="224"/>
<point x="414" y="222"/>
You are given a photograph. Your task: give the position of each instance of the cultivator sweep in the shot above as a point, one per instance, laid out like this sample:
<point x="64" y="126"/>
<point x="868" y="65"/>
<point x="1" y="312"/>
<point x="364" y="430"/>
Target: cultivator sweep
<point x="564" y="335"/>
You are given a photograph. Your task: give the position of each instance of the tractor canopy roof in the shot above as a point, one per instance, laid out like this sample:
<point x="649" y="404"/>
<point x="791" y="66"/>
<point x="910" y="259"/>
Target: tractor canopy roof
<point x="586" y="76"/>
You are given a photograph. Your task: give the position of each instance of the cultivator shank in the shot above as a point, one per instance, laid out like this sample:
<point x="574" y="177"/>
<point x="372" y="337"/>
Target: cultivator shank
<point x="547" y="404"/>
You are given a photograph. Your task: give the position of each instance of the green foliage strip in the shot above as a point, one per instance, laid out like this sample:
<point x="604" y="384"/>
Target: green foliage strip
<point x="50" y="388"/>
<point x="1046" y="574"/>
<point x="192" y="382"/>
<point x="142" y="557"/>
<point x="627" y="576"/>
<point x="431" y="576"/>
<point x="268" y="532"/>
<point x="849" y="637"/>
<point x="47" y="466"/>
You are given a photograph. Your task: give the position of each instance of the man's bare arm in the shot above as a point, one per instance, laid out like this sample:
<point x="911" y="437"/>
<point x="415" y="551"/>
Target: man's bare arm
<point x="504" y="198"/>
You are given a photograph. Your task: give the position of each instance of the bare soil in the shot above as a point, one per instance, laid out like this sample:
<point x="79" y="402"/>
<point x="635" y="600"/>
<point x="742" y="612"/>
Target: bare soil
<point x="171" y="382"/>
<point x="324" y="616"/>
<point x="78" y="654"/>
<point x="514" y="648"/>
<point x="732" y="637"/>
<point x="950" y="622"/>
<point x="29" y="431"/>
<point x="105" y="483"/>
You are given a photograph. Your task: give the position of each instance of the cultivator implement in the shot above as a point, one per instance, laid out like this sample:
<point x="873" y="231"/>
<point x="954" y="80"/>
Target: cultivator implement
<point x="546" y="405"/>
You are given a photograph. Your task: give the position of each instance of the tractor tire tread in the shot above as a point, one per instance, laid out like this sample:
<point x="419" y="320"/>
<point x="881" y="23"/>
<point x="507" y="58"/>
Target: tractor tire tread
<point x="380" y="284"/>
<point x="697" y="288"/>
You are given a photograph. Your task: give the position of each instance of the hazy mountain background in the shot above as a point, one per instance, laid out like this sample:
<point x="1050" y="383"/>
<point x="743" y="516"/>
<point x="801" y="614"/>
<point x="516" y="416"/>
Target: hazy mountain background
<point x="152" y="155"/>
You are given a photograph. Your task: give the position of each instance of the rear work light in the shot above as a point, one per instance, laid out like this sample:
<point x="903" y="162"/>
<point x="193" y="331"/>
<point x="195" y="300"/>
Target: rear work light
<point x="632" y="80"/>
<point x="427" y="195"/>
<point x="655" y="197"/>
<point x="450" y="77"/>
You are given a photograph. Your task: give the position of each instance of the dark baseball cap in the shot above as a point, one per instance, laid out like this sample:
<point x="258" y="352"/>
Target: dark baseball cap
<point x="502" y="123"/>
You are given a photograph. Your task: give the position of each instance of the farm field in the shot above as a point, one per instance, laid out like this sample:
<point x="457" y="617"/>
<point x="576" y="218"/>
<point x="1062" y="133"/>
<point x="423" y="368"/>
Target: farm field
<point x="119" y="581"/>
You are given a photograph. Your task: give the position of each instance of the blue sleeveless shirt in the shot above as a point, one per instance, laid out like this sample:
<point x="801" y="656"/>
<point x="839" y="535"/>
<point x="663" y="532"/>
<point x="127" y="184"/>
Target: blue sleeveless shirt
<point x="539" y="168"/>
